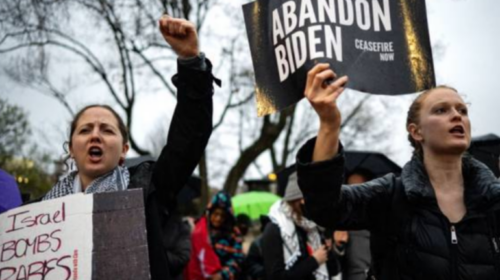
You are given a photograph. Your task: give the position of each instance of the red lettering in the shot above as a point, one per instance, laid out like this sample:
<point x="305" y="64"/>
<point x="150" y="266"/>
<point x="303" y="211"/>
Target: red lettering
<point x="59" y="242"/>
<point x="43" y="245"/>
<point x="39" y="270"/>
<point x="36" y="268"/>
<point x="63" y="216"/>
<point x="17" y="223"/>
<point x="5" y="270"/>
<point x="43" y="219"/>
<point x="8" y="247"/>
<point x="48" y="266"/>
<point x="14" y="216"/>
<point x="29" y="221"/>
<point x="21" y="273"/>
<point x="65" y="267"/>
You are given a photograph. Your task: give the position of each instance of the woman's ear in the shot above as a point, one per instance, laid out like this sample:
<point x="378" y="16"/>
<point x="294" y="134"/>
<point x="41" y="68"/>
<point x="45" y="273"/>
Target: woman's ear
<point x="125" y="149"/>
<point x="415" y="132"/>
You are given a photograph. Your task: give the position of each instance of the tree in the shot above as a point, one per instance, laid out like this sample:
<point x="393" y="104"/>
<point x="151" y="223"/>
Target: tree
<point x="14" y="130"/>
<point x="135" y="52"/>
<point x="120" y="49"/>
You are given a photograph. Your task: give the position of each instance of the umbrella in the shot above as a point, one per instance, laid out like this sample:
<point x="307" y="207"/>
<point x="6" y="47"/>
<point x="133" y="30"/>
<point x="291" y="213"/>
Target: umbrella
<point x="253" y="204"/>
<point x="10" y="197"/>
<point x="376" y="163"/>
<point x="486" y="149"/>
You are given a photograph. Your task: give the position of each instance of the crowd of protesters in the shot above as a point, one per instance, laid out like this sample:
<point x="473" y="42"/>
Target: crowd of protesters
<point x="438" y="220"/>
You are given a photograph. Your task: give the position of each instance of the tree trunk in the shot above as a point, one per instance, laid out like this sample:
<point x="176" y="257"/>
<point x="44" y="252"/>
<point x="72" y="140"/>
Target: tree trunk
<point x="269" y="134"/>
<point x="205" y="189"/>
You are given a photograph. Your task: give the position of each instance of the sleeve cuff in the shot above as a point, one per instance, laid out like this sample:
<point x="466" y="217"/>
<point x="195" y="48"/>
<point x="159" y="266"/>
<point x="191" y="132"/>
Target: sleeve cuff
<point x="196" y="63"/>
<point x="304" y="157"/>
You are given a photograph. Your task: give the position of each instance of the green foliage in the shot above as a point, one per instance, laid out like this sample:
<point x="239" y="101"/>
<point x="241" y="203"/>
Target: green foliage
<point x="30" y="172"/>
<point x="14" y="131"/>
<point x="30" y="177"/>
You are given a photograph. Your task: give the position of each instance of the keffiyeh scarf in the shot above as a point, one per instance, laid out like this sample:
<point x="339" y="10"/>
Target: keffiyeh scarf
<point x="116" y="180"/>
<point x="281" y="214"/>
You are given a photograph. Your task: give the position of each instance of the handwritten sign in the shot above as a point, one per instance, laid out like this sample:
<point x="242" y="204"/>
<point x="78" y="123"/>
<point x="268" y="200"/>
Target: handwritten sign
<point x="78" y="237"/>
<point x="48" y="240"/>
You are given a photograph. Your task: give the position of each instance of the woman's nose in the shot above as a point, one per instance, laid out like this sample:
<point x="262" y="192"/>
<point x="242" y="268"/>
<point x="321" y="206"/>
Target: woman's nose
<point x="456" y="114"/>
<point x="95" y="135"/>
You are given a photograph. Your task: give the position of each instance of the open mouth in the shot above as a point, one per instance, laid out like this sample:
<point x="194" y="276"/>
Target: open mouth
<point x="95" y="153"/>
<point x="458" y="130"/>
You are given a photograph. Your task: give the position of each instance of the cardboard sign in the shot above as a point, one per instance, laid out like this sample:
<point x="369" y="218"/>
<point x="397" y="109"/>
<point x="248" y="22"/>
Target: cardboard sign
<point x="78" y="237"/>
<point x="382" y="45"/>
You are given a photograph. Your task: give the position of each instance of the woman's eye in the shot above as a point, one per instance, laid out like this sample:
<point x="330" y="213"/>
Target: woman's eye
<point x="463" y="111"/>
<point x="84" y="130"/>
<point x="440" y="111"/>
<point x="109" y="131"/>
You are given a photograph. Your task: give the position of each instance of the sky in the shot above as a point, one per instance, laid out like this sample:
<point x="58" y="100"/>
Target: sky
<point x="466" y="32"/>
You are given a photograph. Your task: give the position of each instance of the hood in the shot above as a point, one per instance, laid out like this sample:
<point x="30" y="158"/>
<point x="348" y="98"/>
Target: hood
<point x="222" y="200"/>
<point x="482" y="189"/>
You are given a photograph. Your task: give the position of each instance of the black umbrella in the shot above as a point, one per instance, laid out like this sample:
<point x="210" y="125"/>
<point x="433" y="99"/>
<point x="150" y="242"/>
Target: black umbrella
<point x="376" y="163"/>
<point x="486" y="149"/>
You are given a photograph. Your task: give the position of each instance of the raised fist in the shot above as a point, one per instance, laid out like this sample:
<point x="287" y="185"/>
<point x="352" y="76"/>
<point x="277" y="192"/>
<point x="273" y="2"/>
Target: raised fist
<point x="181" y="35"/>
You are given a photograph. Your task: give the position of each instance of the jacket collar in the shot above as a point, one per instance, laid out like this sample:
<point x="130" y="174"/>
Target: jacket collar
<point x="482" y="189"/>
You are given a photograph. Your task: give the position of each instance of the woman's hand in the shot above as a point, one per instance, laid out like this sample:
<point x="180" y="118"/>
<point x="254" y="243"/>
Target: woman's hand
<point x="321" y="255"/>
<point x="181" y="35"/>
<point x="322" y="93"/>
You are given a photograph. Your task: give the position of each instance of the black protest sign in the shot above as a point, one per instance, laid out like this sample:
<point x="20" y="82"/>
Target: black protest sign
<point x="382" y="45"/>
<point x="85" y="237"/>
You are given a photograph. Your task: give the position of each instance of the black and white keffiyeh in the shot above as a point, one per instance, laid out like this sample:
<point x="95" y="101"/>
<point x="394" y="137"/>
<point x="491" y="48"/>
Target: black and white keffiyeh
<point x="282" y="215"/>
<point x="116" y="180"/>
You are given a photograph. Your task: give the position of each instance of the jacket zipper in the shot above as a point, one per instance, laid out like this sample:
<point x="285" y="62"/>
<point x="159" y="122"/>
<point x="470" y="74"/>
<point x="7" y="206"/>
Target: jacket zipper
<point x="454" y="239"/>
<point x="454" y="252"/>
<point x="495" y="245"/>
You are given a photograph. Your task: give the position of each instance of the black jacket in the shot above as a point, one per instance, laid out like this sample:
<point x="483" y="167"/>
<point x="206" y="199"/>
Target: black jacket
<point x="357" y="258"/>
<point x="188" y="136"/>
<point x="254" y="261"/>
<point x="274" y="262"/>
<point x="421" y="246"/>
<point x="177" y="244"/>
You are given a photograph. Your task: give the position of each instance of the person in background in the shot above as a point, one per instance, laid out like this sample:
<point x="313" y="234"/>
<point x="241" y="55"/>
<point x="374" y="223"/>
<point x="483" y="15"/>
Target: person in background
<point x="356" y="259"/>
<point x="10" y="196"/>
<point x="243" y="223"/>
<point x="177" y="244"/>
<point x="292" y="245"/>
<point x="216" y="243"/>
<point x="254" y="260"/>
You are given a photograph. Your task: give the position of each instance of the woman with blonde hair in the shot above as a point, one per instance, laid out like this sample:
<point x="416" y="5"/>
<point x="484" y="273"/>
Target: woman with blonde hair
<point x="439" y="220"/>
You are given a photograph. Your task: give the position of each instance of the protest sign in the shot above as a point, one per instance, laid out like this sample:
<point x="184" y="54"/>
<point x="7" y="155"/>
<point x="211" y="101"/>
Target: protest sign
<point x="78" y="237"/>
<point x="382" y="45"/>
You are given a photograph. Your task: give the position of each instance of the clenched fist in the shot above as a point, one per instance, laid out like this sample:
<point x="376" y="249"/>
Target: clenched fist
<point x="181" y="35"/>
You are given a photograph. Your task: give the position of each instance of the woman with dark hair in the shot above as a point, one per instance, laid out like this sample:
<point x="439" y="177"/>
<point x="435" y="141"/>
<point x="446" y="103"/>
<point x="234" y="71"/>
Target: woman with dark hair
<point x="438" y="220"/>
<point x="293" y="247"/>
<point x="217" y="243"/>
<point x="98" y="143"/>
